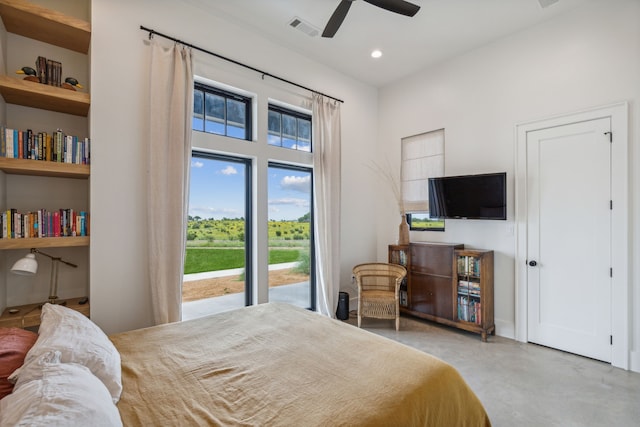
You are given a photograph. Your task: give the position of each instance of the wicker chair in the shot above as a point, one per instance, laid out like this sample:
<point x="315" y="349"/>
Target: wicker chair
<point x="378" y="290"/>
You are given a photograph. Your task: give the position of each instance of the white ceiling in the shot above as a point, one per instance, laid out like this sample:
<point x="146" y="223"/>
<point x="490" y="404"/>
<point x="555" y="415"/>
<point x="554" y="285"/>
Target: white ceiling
<point x="441" y="29"/>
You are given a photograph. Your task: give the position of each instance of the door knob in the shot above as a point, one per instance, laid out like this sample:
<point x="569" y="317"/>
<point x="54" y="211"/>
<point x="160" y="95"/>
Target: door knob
<point x="533" y="263"/>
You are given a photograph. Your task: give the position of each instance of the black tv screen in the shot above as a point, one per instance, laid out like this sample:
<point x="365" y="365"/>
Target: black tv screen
<point x="469" y="196"/>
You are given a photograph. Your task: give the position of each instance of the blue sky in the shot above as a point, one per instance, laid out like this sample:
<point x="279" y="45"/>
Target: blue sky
<point x="217" y="191"/>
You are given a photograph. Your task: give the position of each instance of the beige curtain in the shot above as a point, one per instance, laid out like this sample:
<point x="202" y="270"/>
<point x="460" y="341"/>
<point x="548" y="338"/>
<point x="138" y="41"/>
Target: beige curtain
<point x="326" y="200"/>
<point x="169" y="156"/>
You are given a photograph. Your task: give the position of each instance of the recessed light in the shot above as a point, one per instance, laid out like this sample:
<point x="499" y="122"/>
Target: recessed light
<point x="376" y="53"/>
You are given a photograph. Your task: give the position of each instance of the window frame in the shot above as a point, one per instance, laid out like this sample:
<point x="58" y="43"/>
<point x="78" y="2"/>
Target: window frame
<point x="227" y="95"/>
<point x="248" y="213"/>
<point x="312" y="250"/>
<point x="298" y="115"/>
<point x="428" y="150"/>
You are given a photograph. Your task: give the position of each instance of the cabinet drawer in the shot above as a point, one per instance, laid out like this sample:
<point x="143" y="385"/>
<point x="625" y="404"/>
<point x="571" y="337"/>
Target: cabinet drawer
<point x="431" y="295"/>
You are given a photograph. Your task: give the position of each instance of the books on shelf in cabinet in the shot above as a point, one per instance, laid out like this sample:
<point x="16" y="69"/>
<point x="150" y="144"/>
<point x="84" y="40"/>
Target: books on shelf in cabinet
<point x="55" y="146"/>
<point x="43" y="223"/>
<point x="399" y="257"/>
<point x="468" y="266"/>
<point x="469" y="310"/>
<point x="469" y="288"/>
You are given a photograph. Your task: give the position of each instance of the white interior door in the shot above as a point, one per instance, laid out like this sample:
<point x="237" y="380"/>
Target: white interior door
<point x="569" y="238"/>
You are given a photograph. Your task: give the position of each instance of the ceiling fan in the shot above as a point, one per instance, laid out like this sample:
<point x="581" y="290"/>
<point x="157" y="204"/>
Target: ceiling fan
<point x="397" y="6"/>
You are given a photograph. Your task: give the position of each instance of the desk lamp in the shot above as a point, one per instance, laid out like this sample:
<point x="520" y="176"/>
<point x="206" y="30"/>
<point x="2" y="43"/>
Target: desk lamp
<point x="28" y="266"/>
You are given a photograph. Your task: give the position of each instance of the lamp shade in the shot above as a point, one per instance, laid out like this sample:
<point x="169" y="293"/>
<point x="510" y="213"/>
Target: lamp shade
<point x="26" y="266"/>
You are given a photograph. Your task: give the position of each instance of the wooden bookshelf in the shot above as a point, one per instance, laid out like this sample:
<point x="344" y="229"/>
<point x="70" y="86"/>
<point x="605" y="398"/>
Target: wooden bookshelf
<point x="28" y="315"/>
<point x="37" y="95"/>
<point x="44" y="242"/>
<point x="49" y="26"/>
<point x="435" y="285"/>
<point x="44" y="168"/>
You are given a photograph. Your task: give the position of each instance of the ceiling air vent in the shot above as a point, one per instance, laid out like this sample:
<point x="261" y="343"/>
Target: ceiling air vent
<point x="546" y="3"/>
<point x="304" y="26"/>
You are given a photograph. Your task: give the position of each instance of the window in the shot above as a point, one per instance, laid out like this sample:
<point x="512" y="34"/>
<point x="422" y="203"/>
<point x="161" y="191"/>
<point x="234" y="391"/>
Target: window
<point x="422" y="158"/>
<point x="289" y="129"/>
<point x="218" y="235"/>
<point x="424" y="222"/>
<point x="226" y="257"/>
<point x="291" y="235"/>
<point x="221" y="112"/>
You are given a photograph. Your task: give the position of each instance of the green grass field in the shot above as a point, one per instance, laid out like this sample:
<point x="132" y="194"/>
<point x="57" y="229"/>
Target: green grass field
<point x="201" y="260"/>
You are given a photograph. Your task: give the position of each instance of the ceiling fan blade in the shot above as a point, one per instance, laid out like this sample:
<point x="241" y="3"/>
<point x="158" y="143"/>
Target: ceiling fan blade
<point x="336" y="19"/>
<point x="398" y="6"/>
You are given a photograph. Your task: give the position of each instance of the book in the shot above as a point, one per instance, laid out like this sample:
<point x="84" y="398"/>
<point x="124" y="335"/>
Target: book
<point x="41" y="69"/>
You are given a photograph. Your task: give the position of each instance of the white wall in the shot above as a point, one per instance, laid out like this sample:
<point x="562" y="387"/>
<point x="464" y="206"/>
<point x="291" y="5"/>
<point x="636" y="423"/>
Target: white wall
<point x="119" y="71"/>
<point x="586" y="58"/>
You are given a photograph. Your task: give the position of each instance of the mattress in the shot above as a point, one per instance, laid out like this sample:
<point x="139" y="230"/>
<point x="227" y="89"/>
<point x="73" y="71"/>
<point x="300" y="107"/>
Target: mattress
<point x="278" y="365"/>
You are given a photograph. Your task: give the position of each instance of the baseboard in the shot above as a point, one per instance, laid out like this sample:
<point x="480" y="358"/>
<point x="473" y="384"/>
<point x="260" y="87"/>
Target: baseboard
<point x="634" y="361"/>
<point x="505" y="329"/>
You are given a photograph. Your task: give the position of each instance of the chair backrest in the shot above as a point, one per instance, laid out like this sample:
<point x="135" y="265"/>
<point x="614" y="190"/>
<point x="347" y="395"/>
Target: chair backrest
<point x="378" y="276"/>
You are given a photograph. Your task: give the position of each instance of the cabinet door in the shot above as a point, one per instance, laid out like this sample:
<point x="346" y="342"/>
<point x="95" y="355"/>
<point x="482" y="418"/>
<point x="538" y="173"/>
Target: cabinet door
<point x="432" y="259"/>
<point x="432" y="295"/>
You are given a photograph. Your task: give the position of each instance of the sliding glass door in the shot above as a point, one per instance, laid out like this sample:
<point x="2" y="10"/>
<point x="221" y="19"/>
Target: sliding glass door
<point x="291" y="235"/>
<point x="218" y="236"/>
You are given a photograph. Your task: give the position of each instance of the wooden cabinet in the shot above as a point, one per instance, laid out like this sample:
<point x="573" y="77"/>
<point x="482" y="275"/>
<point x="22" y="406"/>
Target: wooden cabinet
<point x="34" y="184"/>
<point x="474" y="291"/>
<point x="434" y="271"/>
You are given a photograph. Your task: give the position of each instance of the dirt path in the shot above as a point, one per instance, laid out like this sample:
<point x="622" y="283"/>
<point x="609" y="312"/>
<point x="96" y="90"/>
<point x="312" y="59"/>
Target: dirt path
<point x="217" y="286"/>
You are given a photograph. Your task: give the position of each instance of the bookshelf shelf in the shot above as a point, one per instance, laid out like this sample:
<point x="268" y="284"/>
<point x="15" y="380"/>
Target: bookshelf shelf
<point x="36" y="95"/>
<point x="49" y="26"/>
<point x="44" y="242"/>
<point x="44" y="168"/>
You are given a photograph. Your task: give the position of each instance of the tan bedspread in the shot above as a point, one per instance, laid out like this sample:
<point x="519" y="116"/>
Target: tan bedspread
<point x="278" y="365"/>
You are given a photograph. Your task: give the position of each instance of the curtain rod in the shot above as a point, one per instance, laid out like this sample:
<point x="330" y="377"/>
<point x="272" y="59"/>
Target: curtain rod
<point x="264" y="73"/>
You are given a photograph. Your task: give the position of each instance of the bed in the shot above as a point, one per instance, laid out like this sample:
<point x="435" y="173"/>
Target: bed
<point x="278" y="365"/>
<point x="266" y="365"/>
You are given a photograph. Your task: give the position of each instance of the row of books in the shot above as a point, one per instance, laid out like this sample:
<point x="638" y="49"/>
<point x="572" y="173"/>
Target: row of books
<point x="399" y="257"/>
<point x="48" y="71"/>
<point x="470" y="288"/>
<point x="469" y="310"/>
<point x="44" y="223"/>
<point x="468" y="266"/>
<point x="55" y="146"/>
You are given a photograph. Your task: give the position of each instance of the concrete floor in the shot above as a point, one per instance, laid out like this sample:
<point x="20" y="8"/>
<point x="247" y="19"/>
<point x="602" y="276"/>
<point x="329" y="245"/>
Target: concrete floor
<point x="526" y="384"/>
<point x="519" y="384"/>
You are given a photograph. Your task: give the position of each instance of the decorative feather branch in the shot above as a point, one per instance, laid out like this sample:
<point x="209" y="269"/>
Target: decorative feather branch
<point x="392" y="181"/>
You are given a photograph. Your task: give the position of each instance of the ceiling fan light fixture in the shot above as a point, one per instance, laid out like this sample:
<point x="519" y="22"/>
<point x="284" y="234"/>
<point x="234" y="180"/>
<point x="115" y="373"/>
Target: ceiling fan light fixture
<point x="401" y="7"/>
<point x="376" y="53"/>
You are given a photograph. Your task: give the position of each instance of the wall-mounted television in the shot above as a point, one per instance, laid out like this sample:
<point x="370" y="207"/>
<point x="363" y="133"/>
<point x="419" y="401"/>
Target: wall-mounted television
<point x="481" y="196"/>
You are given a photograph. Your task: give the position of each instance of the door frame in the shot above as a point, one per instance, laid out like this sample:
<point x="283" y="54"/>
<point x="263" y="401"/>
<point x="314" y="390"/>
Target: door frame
<point x="618" y="113"/>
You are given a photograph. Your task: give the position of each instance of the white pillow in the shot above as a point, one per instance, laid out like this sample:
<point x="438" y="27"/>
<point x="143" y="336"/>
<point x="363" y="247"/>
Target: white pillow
<point x="58" y="394"/>
<point x="78" y="340"/>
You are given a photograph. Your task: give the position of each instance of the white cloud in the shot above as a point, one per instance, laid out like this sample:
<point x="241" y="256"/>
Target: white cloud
<point x="196" y="164"/>
<point x="210" y="212"/>
<point x="229" y="170"/>
<point x="300" y="203"/>
<point x="297" y="183"/>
